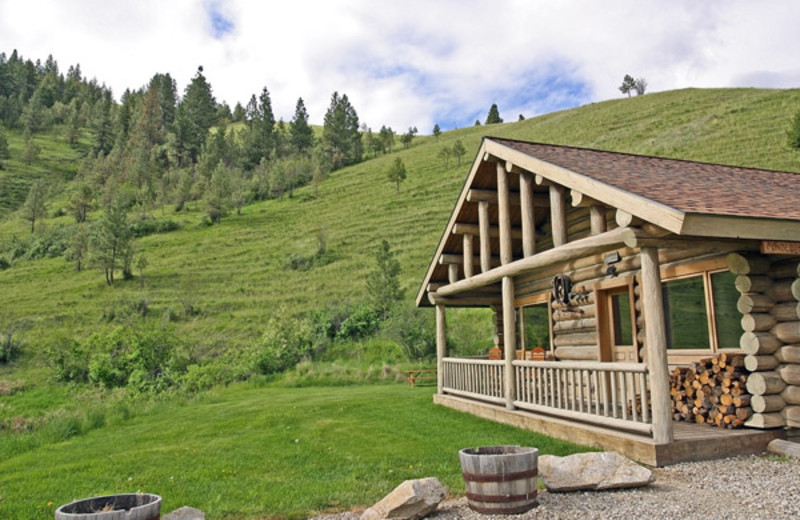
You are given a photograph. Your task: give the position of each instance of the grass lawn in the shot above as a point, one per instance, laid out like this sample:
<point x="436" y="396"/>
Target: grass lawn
<point x="249" y="452"/>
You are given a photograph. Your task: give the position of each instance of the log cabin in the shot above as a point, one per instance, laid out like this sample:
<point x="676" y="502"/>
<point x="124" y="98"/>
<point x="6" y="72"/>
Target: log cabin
<point x="606" y="272"/>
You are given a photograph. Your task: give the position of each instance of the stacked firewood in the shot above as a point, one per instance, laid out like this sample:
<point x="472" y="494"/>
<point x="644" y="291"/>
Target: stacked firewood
<point x="712" y="391"/>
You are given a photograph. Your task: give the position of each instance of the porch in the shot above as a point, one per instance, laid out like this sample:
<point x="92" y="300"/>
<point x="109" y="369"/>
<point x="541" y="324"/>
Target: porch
<point x="604" y="405"/>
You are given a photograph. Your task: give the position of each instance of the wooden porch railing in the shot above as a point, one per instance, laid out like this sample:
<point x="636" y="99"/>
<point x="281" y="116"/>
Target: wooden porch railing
<point x="474" y="378"/>
<point x="615" y="395"/>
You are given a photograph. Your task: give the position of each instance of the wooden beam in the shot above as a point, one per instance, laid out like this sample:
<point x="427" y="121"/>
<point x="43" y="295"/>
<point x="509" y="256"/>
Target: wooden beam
<point x="597" y="219"/>
<point x="452" y="273"/>
<point x="528" y="207"/>
<point x="579" y="200"/>
<point x="509" y="341"/>
<point x="504" y="215"/>
<point x="490" y="196"/>
<point x="450" y="258"/>
<point x="468" y="256"/>
<point x="467" y="301"/>
<point x="441" y="345"/>
<point x="558" y="215"/>
<point x="486" y="247"/>
<point x="566" y="253"/>
<point x="625" y="219"/>
<point x="473" y="229"/>
<point x="656" y="344"/>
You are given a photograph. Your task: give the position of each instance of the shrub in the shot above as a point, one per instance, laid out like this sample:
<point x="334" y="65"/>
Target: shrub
<point x="414" y="330"/>
<point x="69" y="360"/>
<point x="284" y="343"/>
<point x="361" y="322"/>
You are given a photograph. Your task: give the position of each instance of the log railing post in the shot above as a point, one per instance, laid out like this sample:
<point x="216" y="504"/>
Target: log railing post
<point x="509" y="340"/>
<point x="441" y="345"/>
<point x="483" y="225"/>
<point x="504" y="214"/>
<point x="656" y="343"/>
<point x="527" y="208"/>
<point x="597" y="219"/>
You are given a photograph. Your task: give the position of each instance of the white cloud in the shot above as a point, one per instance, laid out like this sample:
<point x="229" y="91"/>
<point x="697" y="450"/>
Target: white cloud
<point x="416" y="62"/>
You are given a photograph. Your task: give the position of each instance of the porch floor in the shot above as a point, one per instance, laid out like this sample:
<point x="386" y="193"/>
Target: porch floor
<point x="692" y="442"/>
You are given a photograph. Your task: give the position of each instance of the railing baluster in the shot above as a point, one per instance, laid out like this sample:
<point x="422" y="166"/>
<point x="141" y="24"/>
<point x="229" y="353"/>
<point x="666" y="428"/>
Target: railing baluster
<point x="614" y="401"/>
<point x="645" y="398"/>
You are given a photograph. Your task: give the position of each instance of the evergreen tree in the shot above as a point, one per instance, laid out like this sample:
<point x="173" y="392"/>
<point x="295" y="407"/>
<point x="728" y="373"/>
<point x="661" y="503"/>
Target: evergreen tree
<point x="32" y="149"/>
<point x="436" y="130"/>
<point x="383" y="283"/>
<point x="494" y="115"/>
<point x="78" y="247"/>
<point x="386" y="136"/>
<point x="238" y="113"/>
<point x="397" y="173"/>
<point x="35" y="206"/>
<point x="5" y="153"/>
<point x="196" y="114"/>
<point x="340" y="134"/>
<point x="444" y="154"/>
<point x="218" y="193"/>
<point x="259" y="141"/>
<point x="111" y="243"/>
<point x="408" y="136"/>
<point x="302" y="135"/>
<point x="102" y="124"/>
<point x="80" y="202"/>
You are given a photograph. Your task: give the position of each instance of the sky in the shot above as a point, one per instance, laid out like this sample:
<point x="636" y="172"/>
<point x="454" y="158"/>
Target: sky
<point x="406" y="63"/>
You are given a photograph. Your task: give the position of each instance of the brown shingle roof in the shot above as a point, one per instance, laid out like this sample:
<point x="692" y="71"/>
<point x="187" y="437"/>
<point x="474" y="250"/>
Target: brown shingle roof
<point x="688" y="186"/>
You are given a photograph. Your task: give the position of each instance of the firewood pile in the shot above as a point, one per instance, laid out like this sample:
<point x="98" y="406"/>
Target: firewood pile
<point x="712" y="391"/>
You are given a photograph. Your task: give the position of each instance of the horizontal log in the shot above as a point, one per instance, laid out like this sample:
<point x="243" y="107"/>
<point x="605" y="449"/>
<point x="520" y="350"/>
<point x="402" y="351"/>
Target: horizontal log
<point x="788" y="354"/>
<point x="577" y="339"/>
<point x="787" y="331"/>
<point x="582" y="353"/>
<point x="562" y="254"/>
<point x="765" y="383"/>
<point x="753" y="283"/>
<point x="473" y="229"/>
<point x="747" y="263"/>
<point x="766" y="420"/>
<point x="783" y="290"/>
<point x="760" y="363"/>
<point x="759" y="343"/>
<point x="791" y="413"/>
<point x="790" y="373"/>
<point x="574" y="313"/>
<point x="785" y="269"/>
<point x="784" y="448"/>
<point x="754" y="302"/>
<point x="786" y="311"/>
<point x="791" y="394"/>
<point x="767" y="403"/>
<point x="758" y="322"/>
<point x="573" y="325"/>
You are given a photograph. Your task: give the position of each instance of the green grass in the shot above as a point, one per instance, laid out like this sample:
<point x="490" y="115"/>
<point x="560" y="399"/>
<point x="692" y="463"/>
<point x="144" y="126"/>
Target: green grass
<point x="248" y="452"/>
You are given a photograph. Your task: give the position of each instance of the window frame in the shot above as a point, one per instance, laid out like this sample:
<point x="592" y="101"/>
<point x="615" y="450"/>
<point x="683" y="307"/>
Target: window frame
<point x="531" y="301"/>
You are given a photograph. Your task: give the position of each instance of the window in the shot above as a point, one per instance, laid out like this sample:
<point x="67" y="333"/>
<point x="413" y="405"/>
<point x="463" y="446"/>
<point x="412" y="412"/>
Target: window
<point x="535" y="327"/>
<point x="620" y="304"/>
<point x="700" y="312"/>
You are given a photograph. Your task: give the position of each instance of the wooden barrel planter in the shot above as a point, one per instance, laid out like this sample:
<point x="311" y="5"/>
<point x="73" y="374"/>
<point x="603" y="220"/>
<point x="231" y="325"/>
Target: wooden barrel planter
<point x="500" y="479"/>
<point x="139" y="506"/>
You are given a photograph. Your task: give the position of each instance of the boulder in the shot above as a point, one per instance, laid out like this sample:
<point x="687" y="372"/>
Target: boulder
<point x="410" y="500"/>
<point x="592" y="471"/>
<point x="185" y="513"/>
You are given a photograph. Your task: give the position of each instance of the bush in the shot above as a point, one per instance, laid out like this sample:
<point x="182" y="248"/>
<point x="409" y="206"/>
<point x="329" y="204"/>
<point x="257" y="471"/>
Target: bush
<point x="414" y="330"/>
<point x="142" y="228"/>
<point x="285" y="342"/>
<point x="361" y="322"/>
<point x="4" y="263"/>
<point x="69" y="361"/>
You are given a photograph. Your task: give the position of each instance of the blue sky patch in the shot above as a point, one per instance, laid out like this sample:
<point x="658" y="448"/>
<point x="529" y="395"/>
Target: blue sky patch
<point x="220" y="24"/>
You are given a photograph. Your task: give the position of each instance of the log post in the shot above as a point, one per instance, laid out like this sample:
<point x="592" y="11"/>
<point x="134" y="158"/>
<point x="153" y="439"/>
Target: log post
<point x="558" y="215"/>
<point x="469" y="255"/>
<point x="441" y="345"/>
<point x="656" y="344"/>
<point x="527" y="208"/>
<point x="486" y="247"/>
<point x="509" y="340"/>
<point x="504" y="215"/>
<point x="597" y="218"/>
<point x="452" y="273"/>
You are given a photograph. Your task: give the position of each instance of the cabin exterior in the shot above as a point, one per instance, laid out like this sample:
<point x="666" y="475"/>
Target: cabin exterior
<point x="605" y="272"/>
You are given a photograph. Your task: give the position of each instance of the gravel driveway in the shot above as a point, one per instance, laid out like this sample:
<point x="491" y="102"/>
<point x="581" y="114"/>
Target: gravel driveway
<point x="746" y="488"/>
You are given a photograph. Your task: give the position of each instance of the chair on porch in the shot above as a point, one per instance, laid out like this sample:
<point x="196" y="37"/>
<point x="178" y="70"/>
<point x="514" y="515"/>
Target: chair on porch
<point x="537" y="354"/>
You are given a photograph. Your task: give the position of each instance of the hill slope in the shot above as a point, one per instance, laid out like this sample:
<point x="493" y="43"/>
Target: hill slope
<point x="239" y="273"/>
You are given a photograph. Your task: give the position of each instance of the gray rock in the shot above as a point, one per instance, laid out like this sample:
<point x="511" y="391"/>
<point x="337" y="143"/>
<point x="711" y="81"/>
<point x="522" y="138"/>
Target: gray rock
<point x="592" y="471"/>
<point x="185" y="513"/>
<point x="410" y="500"/>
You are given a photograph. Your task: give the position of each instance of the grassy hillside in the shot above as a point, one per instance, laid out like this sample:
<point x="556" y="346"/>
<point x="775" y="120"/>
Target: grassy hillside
<point x="239" y="273"/>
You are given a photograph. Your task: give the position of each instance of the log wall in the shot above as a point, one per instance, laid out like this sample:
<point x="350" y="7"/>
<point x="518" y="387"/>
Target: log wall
<point x="770" y="307"/>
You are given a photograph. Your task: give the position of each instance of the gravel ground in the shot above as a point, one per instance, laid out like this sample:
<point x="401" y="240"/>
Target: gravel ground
<point x="746" y="488"/>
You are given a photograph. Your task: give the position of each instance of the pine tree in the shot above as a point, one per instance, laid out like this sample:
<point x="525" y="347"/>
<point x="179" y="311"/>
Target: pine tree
<point x="383" y="283"/>
<point x="341" y="135"/>
<point x="302" y="135"/>
<point x="436" y="130"/>
<point x="628" y="85"/>
<point x="112" y="241"/>
<point x="35" y="206"/>
<point x="218" y="193"/>
<point x="494" y="115"/>
<point x="459" y="151"/>
<point x="397" y="173"/>
<point x="196" y="114"/>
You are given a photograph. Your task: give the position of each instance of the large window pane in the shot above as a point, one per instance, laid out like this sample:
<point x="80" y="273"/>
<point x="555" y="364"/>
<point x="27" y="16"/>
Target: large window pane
<point x="621" y="316"/>
<point x="723" y="287"/>
<point x="685" y="314"/>
<point x="536" y="322"/>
